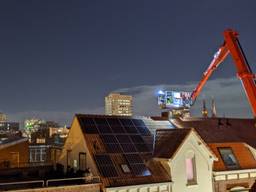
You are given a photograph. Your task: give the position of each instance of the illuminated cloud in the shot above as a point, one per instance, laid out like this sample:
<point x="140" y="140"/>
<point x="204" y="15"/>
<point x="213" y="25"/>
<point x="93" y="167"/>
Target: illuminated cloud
<point x="228" y="94"/>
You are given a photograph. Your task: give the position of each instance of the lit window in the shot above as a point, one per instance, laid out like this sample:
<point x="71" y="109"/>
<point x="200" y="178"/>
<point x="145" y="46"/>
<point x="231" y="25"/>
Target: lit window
<point x="40" y="140"/>
<point x="191" y="171"/>
<point x="228" y="158"/>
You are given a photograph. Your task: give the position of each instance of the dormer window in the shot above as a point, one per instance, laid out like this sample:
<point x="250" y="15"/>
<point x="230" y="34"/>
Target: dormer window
<point x="228" y="158"/>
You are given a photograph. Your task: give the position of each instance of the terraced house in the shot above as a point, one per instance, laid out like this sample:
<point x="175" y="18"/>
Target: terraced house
<point x="233" y="142"/>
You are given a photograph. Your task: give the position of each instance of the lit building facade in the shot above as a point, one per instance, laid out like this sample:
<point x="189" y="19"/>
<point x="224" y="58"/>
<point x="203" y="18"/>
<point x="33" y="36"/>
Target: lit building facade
<point x="9" y="127"/>
<point x="3" y="117"/>
<point x="117" y="104"/>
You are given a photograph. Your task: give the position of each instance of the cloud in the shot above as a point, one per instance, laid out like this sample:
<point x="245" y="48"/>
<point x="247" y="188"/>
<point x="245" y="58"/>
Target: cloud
<point x="228" y="94"/>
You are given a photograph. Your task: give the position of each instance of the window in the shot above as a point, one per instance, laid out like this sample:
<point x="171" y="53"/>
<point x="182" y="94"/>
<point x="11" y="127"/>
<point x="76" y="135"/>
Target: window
<point x="125" y="168"/>
<point x="228" y="158"/>
<point x="40" y="140"/>
<point x="191" y="170"/>
<point x="37" y="154"/>
<point x="82" y="161"/>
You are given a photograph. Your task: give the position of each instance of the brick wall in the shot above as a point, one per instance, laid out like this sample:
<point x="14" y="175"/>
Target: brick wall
<point x="10" y="154"/>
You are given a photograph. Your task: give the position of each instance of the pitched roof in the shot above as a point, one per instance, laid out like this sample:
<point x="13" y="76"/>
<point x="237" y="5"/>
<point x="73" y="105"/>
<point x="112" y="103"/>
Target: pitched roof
<point x="241" y="152"/>
<point x="159" y="118"/>
<point x="222" y="130"/>
<point x="167" y="141"/>
<point x="10" y="141"/>
<point x="225" y="132"/>
<point x="115" y="141"/>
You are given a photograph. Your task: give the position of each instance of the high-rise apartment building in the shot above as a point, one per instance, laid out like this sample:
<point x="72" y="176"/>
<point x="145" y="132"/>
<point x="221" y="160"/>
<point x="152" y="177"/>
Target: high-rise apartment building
<point x="117" y="104"/>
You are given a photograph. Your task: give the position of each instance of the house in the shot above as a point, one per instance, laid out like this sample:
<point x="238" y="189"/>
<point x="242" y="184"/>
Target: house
<point x="46" y="142"/>
<point x="112" y="146"/>
<point x="187" y="158"/>
<point x="13" y="151"/>
<point x="233" y="141"/>
<point x="116" y="149"/>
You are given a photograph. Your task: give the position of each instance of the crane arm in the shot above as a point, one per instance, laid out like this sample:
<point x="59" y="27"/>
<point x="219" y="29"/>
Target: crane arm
<point x="218" y="58"/>
<point x="244" y="72"/>
<point x="231" y="45"/>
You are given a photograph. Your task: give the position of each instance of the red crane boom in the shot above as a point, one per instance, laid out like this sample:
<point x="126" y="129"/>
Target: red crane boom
<point x="232" y="46"/>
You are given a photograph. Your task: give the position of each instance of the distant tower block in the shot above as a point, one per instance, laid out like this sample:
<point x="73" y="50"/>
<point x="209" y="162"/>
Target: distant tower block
<point x="117" y="104"/>
<point x="204" y="110"/>
<point x="214" y="112"/>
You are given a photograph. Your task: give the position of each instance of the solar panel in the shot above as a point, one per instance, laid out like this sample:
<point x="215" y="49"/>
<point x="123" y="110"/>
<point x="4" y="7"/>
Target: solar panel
<point x="140" y="170"/>
<point x="143" y="148"/>
<point x="113" y="148"/>
<point x="86" y="121"/>
<point x="104" y="129"/>
<point x="133" y="158"/>
<point x="137" y="165"/>
<point x="91" y="129"/>
<point x="143" y="130"/>
<point x="130" y="129"/>
<point x="126" y="122"/>
<point x="103" y="159"/>
<point x="113" y="122"/>
<point x="100" y="121"/>
<point x="117" y="129"/>
<point x="138" y="122"/>
<point x="88" y="125"/>
<point x="106" y="166"/>
<point x="123" y="138"/>
<point x="109" y="139"/>
<point x="108" y="171"/>
<point x="128" y="148"/>
<point x="137" y="139"/>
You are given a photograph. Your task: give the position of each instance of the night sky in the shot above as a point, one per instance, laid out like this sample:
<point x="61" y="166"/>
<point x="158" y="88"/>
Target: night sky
<point x="60" y="57"/>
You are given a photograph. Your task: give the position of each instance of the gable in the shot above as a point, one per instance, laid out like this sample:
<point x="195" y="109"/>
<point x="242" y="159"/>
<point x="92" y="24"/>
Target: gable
<point x="169" y="142"/>
<point x="75" y="143"/>
<point x="195" y="144"/>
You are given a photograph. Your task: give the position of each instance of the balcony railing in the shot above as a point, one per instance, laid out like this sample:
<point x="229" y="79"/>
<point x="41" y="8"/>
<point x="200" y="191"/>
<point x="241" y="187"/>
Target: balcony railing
<point x="49" y="183"/>
<point x="5" y="164"/>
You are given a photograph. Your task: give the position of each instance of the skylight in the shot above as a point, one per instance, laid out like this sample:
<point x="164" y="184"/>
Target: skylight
<point x="228" y="158"/>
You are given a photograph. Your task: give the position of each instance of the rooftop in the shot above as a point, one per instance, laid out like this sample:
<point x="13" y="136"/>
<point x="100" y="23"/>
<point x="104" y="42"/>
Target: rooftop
<point x="225" y="133"/>
<point x="168" y="141"/>
<point x="122" y="148"/>
<point x="221" y="130"/>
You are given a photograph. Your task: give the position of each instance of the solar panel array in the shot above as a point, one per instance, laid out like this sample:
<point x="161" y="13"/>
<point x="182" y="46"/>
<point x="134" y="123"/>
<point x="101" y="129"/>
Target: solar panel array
<point x="106" y="166"/>
<point x="137" y="165"/>
<point x="119" y="135"/>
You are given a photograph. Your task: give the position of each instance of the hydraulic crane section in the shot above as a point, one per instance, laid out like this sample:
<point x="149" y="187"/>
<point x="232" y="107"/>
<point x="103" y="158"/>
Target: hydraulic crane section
<point x="232" y="46"/>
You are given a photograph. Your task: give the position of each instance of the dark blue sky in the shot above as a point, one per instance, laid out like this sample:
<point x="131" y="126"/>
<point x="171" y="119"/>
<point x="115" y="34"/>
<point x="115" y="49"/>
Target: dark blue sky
<point x="60" y="55"/>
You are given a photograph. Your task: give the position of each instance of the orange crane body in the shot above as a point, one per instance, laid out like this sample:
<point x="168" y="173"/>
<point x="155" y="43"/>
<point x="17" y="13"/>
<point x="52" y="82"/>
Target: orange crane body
<point x="232" y="46"/>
